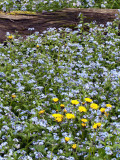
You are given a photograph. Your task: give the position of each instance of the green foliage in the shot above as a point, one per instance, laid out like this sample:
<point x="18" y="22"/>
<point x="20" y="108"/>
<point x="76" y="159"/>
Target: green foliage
<point x="70" y="66"/>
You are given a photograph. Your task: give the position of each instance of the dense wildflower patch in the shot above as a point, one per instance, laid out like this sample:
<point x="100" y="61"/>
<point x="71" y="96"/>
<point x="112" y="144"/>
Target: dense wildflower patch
<point x="32" y="6"/>
<point x="45" y="82"/>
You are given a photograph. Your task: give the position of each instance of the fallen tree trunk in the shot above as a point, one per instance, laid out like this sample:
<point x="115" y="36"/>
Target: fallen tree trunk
<point x="41" y="21"/>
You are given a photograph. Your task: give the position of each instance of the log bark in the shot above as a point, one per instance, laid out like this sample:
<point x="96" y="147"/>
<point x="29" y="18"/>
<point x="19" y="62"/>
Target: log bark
<point x="41" y="21"/>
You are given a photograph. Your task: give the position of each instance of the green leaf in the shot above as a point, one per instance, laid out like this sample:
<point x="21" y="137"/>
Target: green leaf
<point x="9" y="158"/>
<point x="116" y="146"/>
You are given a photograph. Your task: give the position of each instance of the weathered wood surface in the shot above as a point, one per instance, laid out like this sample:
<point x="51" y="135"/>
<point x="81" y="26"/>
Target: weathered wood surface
<point x="42" y="21"/>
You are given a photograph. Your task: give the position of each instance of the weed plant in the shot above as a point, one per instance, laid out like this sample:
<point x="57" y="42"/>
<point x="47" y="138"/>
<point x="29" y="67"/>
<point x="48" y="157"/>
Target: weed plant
<point x="60" y="94"/>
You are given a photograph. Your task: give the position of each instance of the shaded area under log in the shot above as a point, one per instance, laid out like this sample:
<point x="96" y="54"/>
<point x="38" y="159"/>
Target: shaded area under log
<point x="42" y="21"/>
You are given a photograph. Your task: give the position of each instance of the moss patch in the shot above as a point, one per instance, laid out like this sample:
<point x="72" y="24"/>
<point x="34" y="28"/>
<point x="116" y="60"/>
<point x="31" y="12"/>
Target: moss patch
<point x="21" y="12"/>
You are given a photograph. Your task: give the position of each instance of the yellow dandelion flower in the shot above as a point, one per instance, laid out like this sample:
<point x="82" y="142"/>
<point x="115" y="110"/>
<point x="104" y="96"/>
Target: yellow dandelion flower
<point x="94" y="106"/>
<point x="74" y="146"/>
<point x="70" y="116"/>
<point x="41" y="112"/>
<point x="55" y="99"/>
<point x="102" y="110"/>
<point x="37" y="46"/>
<point x="84" y="120"/>
<point x="108" y="105"/>
<point x="83" y="103"/>
<point x="10" y="37"/>
<point x="13" y="96"/>
<point x="62" y="105"/>
<point x="74" y="102"/>
<point x="83" y="124"/>
<point x="99" y="124"/>
<point x="58" y="117"/>
<point x="65" y="111"/>
<point x="55" y="115"/>
<point x="96" y="125"/>
<point x="67" y="139"/>
<point x="82" y="109"/>
<point x="88" y="100"/>
<point x="107" y="114"/>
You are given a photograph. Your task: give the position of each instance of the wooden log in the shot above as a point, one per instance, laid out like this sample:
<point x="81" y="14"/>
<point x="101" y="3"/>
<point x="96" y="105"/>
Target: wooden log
<point x="41" y="21"/>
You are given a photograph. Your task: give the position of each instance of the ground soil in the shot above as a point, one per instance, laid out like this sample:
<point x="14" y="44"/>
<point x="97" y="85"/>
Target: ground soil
<point x="41" y="21"/>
